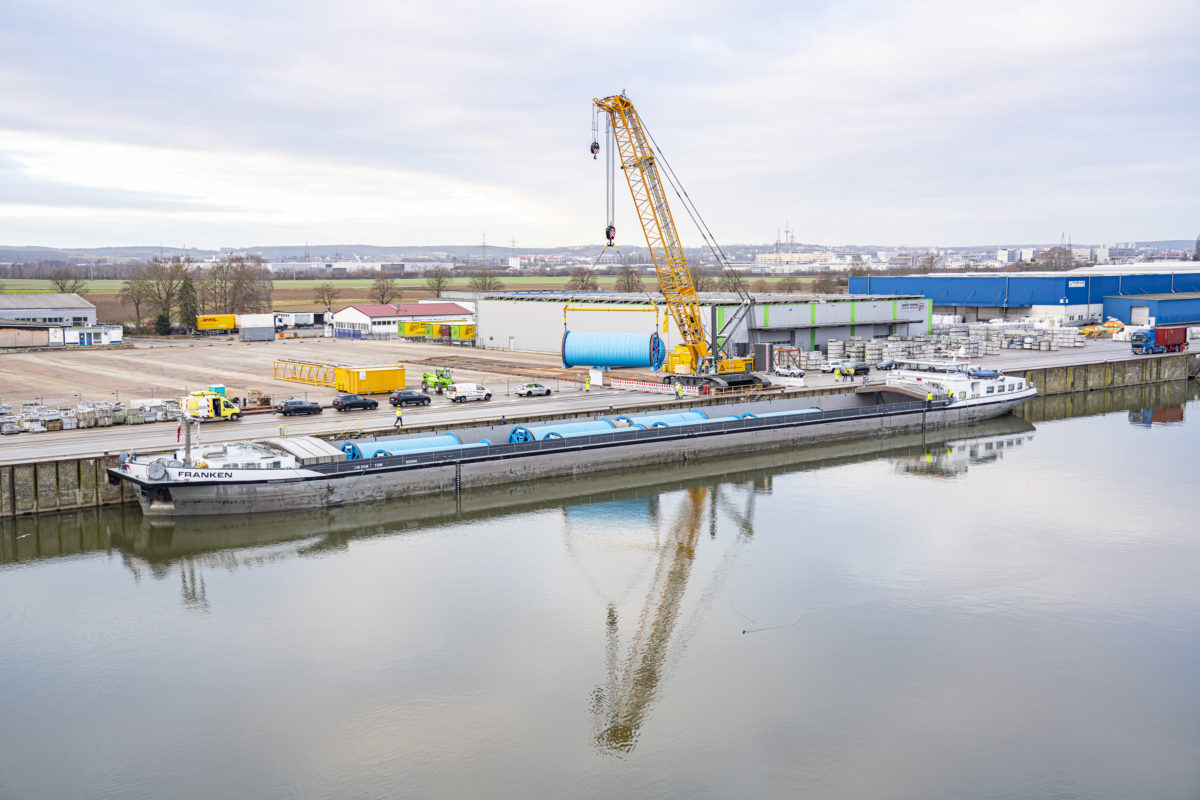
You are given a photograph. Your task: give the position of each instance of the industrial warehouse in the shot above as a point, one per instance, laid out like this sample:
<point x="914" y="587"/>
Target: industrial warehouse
<point x="1075" y="297"/>
<point x="536" y="322"/>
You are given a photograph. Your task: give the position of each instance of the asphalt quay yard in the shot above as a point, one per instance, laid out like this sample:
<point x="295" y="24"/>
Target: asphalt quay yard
<point x="170" y="368"/>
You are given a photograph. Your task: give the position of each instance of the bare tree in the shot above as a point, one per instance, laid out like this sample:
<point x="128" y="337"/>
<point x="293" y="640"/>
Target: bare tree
<point x="1057" y="258"/>
<point x="581" y="280"/>
<point x="730" y="282"/>
<point x="384" y="290"/>
<point x="64" y="280"/>
<point x="164" y="276"/>
<point x="1196" y="252"/>
<point x="136" y="291"/>
<point x="825" y="283"/>
<point x="929" y="263"/>
<point x="326" y="294"/>
<point x="702" y="280"/>
<point x="761" y="285"/>
<point x="484" y="281"/>
<point x="437" y="279"/>
<point x="628" y="280"/>
<point x="788" y="283"/>
<point x="236" y="284"/>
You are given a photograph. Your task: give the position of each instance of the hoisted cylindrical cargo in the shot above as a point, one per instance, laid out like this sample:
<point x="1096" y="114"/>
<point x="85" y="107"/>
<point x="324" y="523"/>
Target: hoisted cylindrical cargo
<point x="613" y="350"/>
<point x="521" y="433"/>
<point x="667" y="420"/>
<point x="353" y="452"/>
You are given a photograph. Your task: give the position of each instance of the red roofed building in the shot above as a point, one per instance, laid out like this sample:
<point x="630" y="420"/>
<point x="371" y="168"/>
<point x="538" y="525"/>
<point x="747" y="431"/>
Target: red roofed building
<point x="366" y="319"/>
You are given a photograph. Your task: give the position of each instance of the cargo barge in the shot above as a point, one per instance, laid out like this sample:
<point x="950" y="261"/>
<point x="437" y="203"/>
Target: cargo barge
<point x="305" y="472"/>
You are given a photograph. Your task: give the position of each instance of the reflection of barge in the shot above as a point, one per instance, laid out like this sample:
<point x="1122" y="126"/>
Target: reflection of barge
<point x="286" y="474"/>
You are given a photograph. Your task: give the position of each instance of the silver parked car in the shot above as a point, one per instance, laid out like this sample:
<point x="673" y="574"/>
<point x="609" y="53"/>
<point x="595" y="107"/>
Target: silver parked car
<point x="532" y="389"/>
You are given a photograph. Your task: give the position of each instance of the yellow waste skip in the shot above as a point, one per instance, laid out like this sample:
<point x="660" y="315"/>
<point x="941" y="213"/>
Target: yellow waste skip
<point x="461" y="333"/>
<point x="414" y="330"/>
<point x="369" y="380"/>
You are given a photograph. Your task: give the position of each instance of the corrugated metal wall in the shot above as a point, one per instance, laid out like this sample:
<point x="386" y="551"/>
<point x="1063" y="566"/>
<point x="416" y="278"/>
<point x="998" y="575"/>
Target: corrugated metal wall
<point x="537" y="326"/>
<point x="1165" y="312"/>
<point x="1014" y="290"/>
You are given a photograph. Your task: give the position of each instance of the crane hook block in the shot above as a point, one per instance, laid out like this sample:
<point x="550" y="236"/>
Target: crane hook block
<point x="611" y="232"/>
<point x="595" y="149"/>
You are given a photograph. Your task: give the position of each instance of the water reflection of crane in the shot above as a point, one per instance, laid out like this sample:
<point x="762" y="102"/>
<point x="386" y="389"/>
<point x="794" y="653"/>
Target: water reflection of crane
<point x="622" y="705"/>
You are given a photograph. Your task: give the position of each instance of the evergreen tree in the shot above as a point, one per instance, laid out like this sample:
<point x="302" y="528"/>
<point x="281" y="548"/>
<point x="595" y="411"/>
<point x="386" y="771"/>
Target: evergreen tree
<point x="189" y="303"/>
<point x="162" y="325"/>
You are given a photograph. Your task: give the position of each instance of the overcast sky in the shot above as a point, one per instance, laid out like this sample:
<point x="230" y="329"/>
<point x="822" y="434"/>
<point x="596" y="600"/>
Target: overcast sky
<point x="233" y="124"/>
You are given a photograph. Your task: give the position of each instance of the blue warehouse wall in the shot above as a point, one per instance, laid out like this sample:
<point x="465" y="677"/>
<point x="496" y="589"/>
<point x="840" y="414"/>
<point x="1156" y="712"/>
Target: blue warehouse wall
<point x="1013" y="290"/>
<point x="1164" y="312"/>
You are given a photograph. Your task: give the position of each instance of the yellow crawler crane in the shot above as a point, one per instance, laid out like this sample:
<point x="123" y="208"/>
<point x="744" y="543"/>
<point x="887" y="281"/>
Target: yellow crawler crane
<point x="694" y="362"/>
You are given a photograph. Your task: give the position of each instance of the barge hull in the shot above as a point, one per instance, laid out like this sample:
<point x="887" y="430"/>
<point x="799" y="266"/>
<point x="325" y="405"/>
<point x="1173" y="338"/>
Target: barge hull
<point x="366" y="486"/>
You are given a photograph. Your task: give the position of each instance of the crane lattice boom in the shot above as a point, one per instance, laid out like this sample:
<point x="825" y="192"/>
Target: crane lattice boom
<point x="662" y="238"/>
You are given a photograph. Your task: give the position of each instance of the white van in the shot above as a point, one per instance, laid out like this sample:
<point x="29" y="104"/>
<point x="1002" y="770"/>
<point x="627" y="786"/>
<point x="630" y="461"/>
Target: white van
<point x="458" y="392"/>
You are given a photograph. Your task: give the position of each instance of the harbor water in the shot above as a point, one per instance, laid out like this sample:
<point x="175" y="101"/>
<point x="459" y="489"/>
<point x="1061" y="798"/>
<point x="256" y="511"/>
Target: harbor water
<point x="1010" y="610"/>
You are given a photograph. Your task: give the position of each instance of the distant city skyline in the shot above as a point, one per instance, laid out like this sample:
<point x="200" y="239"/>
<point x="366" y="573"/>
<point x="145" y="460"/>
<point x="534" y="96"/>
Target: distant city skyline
<point x="220" y="125"/>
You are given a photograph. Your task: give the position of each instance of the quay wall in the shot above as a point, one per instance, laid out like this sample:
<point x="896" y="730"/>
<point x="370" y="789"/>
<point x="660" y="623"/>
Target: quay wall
<point x="60" y="485"/>
<point x="1111" y="374"/>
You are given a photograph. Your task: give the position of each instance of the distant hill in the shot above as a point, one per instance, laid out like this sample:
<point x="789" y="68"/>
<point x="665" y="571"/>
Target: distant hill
<point x="368" y="252"/>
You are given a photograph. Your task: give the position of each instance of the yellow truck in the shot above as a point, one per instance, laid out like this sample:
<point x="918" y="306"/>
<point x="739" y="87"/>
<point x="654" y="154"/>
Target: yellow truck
<point x="216" y="322"/>
<point x="209" y="407"/>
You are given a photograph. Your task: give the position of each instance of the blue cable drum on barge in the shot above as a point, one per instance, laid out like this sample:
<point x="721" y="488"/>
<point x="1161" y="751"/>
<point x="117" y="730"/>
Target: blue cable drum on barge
<point x="391" y="449"/>
<point x="353" y="453"/>
<point x="613" y="350"/>
<point x="522" y="433"/>
<point x="667" y="420"/>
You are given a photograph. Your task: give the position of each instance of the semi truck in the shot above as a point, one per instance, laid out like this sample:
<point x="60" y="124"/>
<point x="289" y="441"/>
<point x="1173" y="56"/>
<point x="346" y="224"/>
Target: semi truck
<point x="1158" y="340"/>
<point x="294" y="319"/>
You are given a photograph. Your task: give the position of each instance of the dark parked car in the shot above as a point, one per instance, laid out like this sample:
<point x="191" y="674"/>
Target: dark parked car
<point x="860" y="368"/>
<point x="294" y="406"/>
<point x="349" y="402"/>
<point x="409" y="397"/>
<point x="887" y="364"/>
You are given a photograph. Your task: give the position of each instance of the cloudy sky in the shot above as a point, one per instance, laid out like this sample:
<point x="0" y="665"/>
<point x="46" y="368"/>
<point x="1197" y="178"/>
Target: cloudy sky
<point x="231" y="124"/>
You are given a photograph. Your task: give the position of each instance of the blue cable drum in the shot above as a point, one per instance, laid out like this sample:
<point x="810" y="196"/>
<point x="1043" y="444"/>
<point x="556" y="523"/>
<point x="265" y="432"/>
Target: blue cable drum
<point x="613" y="350"/>
<point x="353" y="453"/>
<point x="392" y="450"/>
<point x="564" y="431"/>
<point x="667" y="420"/>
